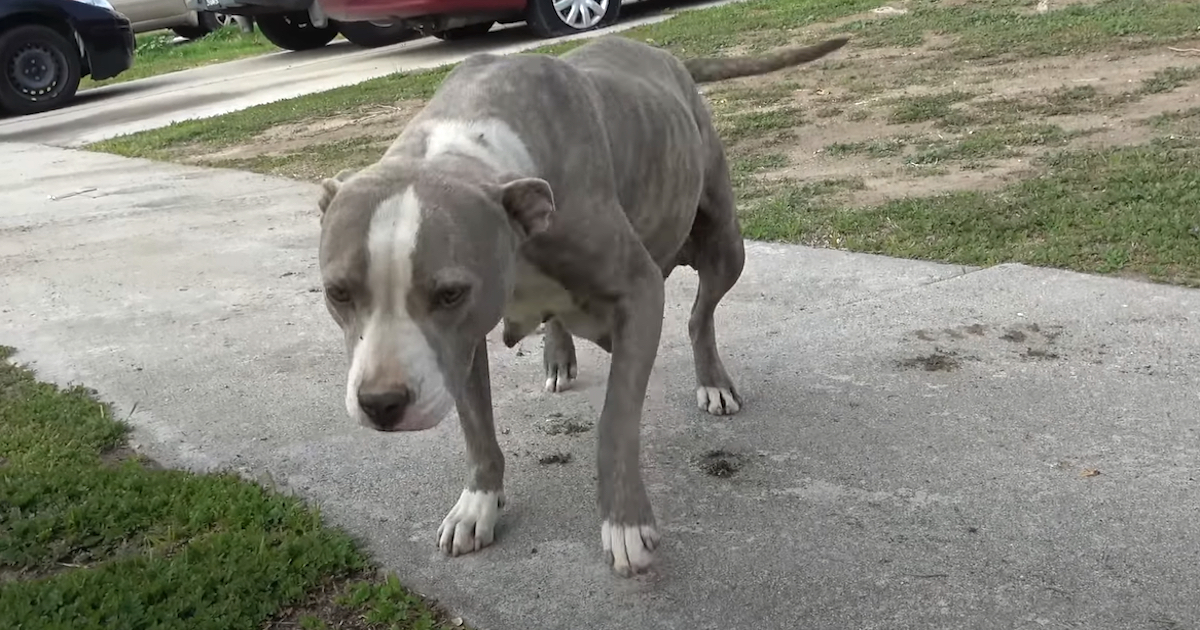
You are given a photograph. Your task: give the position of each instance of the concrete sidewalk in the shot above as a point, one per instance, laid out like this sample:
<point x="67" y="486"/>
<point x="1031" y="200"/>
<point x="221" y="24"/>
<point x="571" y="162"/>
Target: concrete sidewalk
<point x="912" y="453"/>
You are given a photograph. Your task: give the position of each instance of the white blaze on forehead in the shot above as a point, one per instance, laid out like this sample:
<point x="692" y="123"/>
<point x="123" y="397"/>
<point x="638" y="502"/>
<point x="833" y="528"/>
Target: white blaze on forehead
<point x="390" y="337"/>
<point x="391" y="241"/>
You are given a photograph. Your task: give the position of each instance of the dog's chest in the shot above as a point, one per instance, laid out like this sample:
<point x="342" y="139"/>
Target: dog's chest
<point x="536" y="298"/>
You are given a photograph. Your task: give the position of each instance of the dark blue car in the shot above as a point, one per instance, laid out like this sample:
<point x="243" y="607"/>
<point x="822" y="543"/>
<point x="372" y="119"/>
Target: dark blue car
<point x="46" y="46"/>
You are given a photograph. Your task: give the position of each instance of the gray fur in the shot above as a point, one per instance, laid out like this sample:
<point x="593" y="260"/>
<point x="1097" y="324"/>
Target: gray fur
<point x="626" y="179"/>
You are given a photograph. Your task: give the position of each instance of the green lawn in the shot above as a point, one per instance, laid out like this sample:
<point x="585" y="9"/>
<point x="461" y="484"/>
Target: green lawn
<point x="1125" y="210"/>
<point x="94" y="537"/>
<point x="156" y="53"/>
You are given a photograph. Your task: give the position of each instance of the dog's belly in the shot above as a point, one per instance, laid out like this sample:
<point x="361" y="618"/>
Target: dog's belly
<point x="536" y="298"/>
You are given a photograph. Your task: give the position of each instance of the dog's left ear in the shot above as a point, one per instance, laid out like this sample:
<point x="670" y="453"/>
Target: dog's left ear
<point x="529" y="202"/>
<point x="330" y="187"/>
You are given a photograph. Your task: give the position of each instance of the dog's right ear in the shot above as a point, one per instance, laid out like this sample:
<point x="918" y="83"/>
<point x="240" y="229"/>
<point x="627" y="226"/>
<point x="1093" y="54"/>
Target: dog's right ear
<point x="529" y="202"/>
<point x="330" y="187"/>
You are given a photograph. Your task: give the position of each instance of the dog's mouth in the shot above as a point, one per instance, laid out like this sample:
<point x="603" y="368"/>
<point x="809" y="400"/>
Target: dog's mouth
<point x="425" y="413"/>
<point x="408" y="422"/>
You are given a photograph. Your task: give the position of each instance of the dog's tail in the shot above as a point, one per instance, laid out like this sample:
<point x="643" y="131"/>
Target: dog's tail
<point x="708" y="69"/>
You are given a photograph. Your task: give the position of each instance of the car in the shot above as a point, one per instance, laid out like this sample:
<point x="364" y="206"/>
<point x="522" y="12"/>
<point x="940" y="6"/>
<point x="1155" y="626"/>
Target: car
<point x="47" y="46"/>
<point x="300" y="24"/>
<point x="153" y="15"/>
<point x="458" y="19"/>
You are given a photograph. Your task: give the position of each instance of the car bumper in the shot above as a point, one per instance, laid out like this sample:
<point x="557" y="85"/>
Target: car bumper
<point x="247" y="7"/>
<point x="385" y="10"/>
<point x="109" y="47"/>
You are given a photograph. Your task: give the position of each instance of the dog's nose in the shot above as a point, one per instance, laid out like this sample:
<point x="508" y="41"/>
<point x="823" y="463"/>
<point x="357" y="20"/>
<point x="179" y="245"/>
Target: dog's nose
<point x="387" y="407"/>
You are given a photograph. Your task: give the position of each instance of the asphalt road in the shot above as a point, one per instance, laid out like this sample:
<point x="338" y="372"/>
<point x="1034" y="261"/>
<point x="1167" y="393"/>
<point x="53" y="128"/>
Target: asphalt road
<point x="155" y="102"/>
<point x="922" y="446"/>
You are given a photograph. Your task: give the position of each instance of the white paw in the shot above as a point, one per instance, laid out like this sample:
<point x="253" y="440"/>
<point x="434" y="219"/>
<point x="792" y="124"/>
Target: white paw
<point x="631" y="546"/>
<point x="558" y="379"/>
<point x="470" y="525"/>
<point x="718" y="401"/>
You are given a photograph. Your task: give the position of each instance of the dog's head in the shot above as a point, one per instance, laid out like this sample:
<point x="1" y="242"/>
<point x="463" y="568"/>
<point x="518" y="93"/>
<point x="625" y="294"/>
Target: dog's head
<point x="416" y="261"/>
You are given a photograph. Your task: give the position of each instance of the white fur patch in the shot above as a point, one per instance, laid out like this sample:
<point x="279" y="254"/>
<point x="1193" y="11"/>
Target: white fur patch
<point x="490" y="140"/>
<point x="718" y="401"/>
<point x="631" y="546"/>
<point x="470" y="525"/>
<point x="559" y="381"/>
<point x="390" y="335"/>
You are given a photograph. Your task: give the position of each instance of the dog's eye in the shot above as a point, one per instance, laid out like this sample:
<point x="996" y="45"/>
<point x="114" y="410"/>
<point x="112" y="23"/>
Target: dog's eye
<point x="337" y="294"/>
<point x="449" y="296"/>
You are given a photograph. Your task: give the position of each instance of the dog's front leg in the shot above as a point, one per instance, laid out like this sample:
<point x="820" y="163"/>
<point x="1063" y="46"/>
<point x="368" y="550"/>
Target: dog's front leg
<point x="628" y="532"/>
<point x="470" y="525"/>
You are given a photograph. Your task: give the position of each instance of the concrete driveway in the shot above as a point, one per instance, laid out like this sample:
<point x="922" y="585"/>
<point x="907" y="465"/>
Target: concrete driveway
<point x="923" y="446"/>
<point x="218" y="89"/>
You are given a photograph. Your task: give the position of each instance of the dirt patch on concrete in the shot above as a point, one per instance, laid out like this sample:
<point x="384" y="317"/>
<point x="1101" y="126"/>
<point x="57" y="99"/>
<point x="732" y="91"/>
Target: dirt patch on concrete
<point x="937" y="361"/>
<point x="720" y="463"/>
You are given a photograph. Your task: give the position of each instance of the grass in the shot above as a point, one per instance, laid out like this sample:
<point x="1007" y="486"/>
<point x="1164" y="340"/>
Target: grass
<point x="156" y="53"/>
<point x="956" y="49"/>
<point x="1119" y="210"/>
<point x="1006" y="29"/>
<point x="915" y="109"/>
<point x="93" y="537"/>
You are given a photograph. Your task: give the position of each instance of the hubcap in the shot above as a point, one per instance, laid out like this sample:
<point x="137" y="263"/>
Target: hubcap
<point x="581" y="14"/>
<point x="35" y="71"/>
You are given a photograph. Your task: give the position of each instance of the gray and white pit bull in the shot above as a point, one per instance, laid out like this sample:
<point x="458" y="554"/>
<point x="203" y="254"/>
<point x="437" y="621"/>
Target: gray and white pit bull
<point x="537" y="189"/>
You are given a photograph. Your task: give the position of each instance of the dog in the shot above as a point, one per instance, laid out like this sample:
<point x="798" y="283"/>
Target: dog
<point x="533" y="190"/>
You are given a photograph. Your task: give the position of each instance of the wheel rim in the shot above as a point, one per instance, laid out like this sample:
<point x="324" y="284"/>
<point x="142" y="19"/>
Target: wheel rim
<point x="223" y="20"/>
<point x="581" y="14"/>
<point x="36" y="71"/>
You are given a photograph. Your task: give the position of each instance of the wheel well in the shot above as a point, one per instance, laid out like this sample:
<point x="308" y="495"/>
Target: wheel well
<point x="60" y="25"/>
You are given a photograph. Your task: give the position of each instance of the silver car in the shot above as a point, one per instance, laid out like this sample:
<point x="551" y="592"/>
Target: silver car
<point x="152" y="15"/>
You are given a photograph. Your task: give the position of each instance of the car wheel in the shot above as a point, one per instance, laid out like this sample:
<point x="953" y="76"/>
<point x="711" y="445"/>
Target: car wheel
<point x="464" y="32"/>
<point x="552" y="18"/>
<point x="40" y="69"/>
<point x="208" y="22"/>
<point x="294" y="31"/>
<point x="372" y="35"/>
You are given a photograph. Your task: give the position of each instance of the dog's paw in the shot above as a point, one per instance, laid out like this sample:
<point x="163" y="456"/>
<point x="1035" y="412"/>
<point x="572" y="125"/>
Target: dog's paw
<point x="559" y="376"/>
<point x="629" y="548"/>
<point x="719" y="401"/>
<point x="470" y="525"/>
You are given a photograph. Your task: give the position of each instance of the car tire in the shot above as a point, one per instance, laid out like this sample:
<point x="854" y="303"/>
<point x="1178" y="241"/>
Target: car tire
<point x="370" y="35"/>
<point x="208" y="22"/>
<point x="546" y="20"/>
<point x="464" y="32"/>
<point x="39" y="69"/>
<point x="294" y="30"/>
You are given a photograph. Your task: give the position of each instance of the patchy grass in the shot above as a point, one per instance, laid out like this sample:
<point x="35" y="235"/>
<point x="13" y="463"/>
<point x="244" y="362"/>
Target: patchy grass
<point x="758" y="124"/>
<point x="1127" y="209"/>
<point x="93" y="537"/>
<point x="1008" y="29"/>
<point x="914" y="109"/>
<point x="913" y="141"/>
<point x="237" y="127"/>
<point x="156" y="53"/>
<point x="691" y="33"/>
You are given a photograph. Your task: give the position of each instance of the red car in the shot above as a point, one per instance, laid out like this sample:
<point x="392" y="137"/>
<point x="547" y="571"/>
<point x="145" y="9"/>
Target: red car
<point x="453" y="19"/>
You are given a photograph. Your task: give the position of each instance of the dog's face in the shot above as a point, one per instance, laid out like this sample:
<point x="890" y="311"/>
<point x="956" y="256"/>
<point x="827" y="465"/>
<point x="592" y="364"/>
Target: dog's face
<point x="416" y="262"/>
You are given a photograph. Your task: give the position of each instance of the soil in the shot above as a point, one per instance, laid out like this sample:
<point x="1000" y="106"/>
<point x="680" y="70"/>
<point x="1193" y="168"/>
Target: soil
<point x="847" y="98"/>
<point x="720" y="463"/>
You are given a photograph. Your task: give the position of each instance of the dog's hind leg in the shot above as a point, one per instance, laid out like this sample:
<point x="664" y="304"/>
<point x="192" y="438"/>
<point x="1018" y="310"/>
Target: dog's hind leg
<point x="718" y="255"/>
<point x="558" y="356"/>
